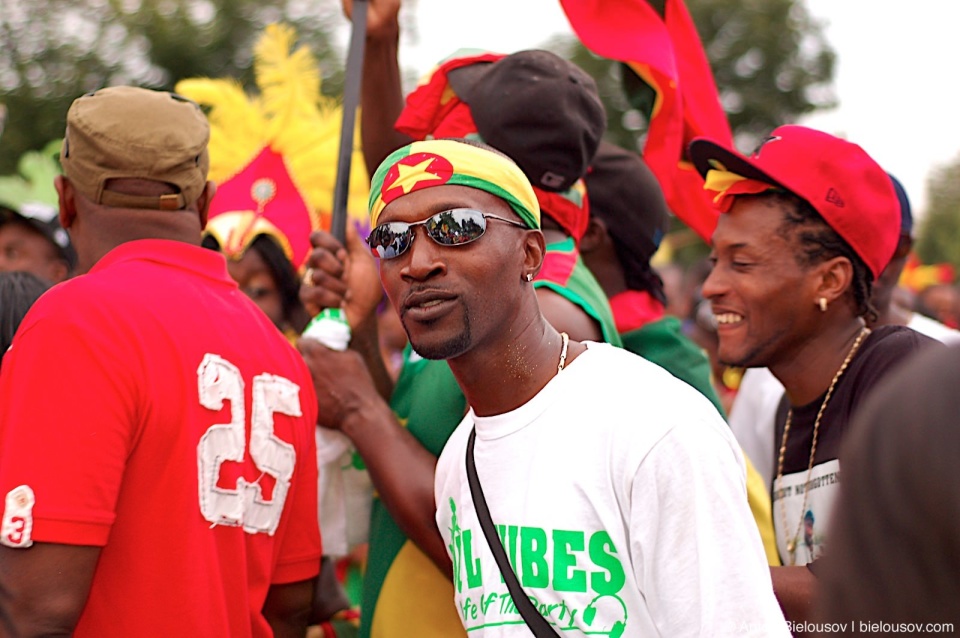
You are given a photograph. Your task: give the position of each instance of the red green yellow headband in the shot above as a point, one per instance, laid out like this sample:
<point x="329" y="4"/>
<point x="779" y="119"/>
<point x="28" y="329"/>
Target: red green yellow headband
<point x="451" y="163"/>
<point x="728" y="185"/>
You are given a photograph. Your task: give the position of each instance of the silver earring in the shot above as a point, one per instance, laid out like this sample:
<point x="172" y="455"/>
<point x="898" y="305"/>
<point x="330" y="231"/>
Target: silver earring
<point x="823" y="304"/>
<point x="529" y="277"/>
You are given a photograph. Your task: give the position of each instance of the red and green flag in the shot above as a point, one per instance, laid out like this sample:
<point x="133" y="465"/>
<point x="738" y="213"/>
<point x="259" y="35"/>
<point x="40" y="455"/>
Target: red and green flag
<point x="666" y="53"/>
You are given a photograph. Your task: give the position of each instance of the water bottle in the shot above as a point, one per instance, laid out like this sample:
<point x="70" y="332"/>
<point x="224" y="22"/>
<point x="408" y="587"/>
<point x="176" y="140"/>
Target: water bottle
<point x="330" y="328"/>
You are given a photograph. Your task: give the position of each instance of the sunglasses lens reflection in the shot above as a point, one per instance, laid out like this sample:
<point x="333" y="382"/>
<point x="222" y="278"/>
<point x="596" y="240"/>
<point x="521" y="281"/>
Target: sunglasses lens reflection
<point x="448" y="228"/>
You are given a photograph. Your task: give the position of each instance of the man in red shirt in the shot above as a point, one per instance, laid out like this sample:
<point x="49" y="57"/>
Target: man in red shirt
<point x="163" y="482"/>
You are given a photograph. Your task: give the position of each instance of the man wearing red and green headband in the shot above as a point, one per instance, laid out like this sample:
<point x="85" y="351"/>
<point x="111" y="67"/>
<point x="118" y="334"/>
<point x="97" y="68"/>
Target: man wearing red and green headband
<point x="623" y="516"/>
<point x="552" y="135"/>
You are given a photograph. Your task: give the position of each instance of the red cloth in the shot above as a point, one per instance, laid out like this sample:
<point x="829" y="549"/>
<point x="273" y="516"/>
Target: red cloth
<point x="668" y="55"/>
<point x="433" y="110"/>
<point x="633" y="309"/>
<point x="558" y="265"/>
<point x="113" y="449"/>
<point x="284" y="207"/>
<point x="570" y="209"/>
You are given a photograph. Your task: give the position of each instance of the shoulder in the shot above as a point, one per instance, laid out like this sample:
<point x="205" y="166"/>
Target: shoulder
<point x="451" y="458"/>
<point x="660" y="336"/>
<point x="627" y="389"/>
<point x="884" y="350"/>
<point x="894" y="342"/>
<point x="621" y="368"/>
<point x="69" y="305"/>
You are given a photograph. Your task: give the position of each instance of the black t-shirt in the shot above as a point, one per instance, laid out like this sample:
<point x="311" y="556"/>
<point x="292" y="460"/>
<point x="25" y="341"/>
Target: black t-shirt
<point x="801" y="507"/>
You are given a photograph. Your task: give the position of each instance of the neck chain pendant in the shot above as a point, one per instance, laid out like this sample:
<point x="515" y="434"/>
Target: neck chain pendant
<point x="792" y="551"/>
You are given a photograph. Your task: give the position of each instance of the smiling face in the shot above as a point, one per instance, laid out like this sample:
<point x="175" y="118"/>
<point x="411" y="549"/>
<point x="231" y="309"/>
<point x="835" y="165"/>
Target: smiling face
<point x="452" y="298"/>
<point x="763" y="299"/>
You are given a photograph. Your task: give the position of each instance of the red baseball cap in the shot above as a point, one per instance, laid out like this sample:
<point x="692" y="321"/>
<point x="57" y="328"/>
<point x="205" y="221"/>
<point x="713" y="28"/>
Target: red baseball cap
<point x="842" y="183"/>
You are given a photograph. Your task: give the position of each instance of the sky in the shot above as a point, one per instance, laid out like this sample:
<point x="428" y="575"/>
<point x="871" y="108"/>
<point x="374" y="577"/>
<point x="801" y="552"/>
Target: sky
<point x="894" y="81"/>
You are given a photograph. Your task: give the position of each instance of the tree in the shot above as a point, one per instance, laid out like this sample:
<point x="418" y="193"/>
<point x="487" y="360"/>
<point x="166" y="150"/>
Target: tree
<point x="51" y="51"/>
<point x="938" y="239"/>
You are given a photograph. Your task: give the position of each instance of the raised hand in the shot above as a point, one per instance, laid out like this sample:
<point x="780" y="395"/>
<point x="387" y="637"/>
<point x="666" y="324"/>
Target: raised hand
<point x="342" y="277"/>
<point x="382" y="17"/>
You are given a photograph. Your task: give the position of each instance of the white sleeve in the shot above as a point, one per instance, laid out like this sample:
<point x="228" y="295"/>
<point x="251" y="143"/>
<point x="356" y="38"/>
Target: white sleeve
<point x="697" y="552"/>
<point x="752" y="417"/>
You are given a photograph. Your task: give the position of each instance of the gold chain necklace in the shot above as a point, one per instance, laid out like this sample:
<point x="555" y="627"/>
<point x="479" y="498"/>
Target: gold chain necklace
<point x="792" y="542"/>
<point x="565" y="339"/>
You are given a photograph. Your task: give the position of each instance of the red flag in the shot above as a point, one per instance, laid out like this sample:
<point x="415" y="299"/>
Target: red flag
<point x="668" y="55"/>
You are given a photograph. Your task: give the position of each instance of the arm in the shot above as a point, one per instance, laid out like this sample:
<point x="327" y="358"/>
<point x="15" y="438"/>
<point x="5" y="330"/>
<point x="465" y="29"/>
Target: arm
<point x="707" y="567"/>
<point x="287" y="608"/>
<point x="347" y="277"/>
<point x="401" y="469"/>
<point x="44" y="588"/>
<point x="381" y="94"/>
<point x="328" y="597"/>
<point x="795" y="588"/>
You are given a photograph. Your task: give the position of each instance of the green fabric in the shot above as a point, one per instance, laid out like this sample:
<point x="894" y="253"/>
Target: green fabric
<point x="664" y="343"/>
<point x="582" y="288"/>
<point x="427" y="401"/>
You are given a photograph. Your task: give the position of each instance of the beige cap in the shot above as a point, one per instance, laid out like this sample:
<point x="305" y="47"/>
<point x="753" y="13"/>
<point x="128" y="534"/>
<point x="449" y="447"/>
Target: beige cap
<point x="130" y="132"/>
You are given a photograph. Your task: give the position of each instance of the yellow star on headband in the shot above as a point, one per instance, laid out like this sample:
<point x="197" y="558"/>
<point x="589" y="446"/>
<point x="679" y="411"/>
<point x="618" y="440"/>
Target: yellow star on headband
<point x="406" y="171"/>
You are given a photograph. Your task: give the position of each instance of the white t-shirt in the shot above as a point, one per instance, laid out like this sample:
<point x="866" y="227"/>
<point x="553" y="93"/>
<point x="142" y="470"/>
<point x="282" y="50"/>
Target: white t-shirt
<point x="620" y="495"/>
<point x="751" y="418"/>
<point x="933" y="329"/>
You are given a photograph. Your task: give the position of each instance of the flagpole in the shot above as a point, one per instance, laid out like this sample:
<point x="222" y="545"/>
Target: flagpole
<point x="351" y="100"/>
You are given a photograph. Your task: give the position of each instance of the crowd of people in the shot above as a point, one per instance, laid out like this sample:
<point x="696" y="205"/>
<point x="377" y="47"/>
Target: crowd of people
<point x="541" y="443"/>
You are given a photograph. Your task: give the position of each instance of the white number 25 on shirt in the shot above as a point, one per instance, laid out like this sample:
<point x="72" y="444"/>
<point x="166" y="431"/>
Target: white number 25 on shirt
<point x="244" y="505"/>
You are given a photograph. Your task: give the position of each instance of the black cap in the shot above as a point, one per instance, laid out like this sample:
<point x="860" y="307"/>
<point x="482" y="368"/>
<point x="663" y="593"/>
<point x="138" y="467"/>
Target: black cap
<point x="625" y="194"/>
<point x="45" y="220"/>
<point x="541" y="110"/>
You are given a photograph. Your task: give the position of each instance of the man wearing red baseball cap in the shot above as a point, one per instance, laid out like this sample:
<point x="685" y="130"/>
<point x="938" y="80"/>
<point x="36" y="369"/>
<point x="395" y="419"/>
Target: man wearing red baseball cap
<point x="809" y="221"/>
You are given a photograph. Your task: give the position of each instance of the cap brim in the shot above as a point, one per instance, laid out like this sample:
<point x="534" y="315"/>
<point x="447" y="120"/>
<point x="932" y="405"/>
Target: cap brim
<point x="707" y="155"/>
<point x="464" y="78"/>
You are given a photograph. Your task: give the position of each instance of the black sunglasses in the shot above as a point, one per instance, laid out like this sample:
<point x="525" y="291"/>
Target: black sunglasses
<point x="454" y="227"/>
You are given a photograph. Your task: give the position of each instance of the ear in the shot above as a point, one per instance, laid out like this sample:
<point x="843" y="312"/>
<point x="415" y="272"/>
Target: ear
<point x="836" y="277"/>
<point x="595" y="236"/>
<point x="203" y="202"/>
<point x="66" y="198"/>
<point x="534" y="249"/>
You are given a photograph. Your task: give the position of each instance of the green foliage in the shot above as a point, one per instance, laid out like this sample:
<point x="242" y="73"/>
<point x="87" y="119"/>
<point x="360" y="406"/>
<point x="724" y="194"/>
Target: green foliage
<point x="51" y="51"/>
<point x="33" y="182"/>
<point x="938" y="239"/>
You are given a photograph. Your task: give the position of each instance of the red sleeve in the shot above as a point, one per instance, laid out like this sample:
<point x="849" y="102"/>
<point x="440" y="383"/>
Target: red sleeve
<point x="66" y="426"/>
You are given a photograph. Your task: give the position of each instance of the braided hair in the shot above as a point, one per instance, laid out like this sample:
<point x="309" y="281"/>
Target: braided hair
<point x="819" y="242"/>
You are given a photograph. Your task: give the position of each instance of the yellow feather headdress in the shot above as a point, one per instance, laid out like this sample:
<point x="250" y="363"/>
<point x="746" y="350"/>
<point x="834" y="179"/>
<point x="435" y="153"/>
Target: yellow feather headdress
<point x="274" y="155"/>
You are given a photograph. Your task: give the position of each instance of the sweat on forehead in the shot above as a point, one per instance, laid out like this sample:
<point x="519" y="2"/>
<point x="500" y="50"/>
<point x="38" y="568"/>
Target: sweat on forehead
<point x="452" y="163"/>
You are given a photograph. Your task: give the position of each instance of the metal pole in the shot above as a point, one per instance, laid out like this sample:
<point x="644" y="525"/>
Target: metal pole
<point x="351" y="100"/>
